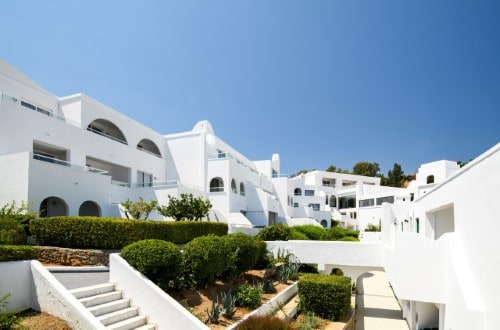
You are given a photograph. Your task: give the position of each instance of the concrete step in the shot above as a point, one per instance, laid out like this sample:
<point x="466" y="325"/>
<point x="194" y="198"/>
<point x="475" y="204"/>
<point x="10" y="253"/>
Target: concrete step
<point x="93" y="290"/>
<point x="101" y="298"/>
<point x="118" y="316"/>
<point x="149" y="326"/>
<point x="132" y="323"/>
<point x="109" y="307"/>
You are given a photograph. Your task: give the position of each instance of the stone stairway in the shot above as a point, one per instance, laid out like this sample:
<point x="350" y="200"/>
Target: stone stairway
<point x="111" y="307"/>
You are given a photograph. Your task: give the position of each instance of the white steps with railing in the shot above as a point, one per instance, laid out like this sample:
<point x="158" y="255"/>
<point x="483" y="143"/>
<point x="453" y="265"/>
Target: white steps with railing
<point x="110" y="307"/>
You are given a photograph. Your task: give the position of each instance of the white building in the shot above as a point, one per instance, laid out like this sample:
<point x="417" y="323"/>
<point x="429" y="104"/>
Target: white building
<point x="75" y="156"/>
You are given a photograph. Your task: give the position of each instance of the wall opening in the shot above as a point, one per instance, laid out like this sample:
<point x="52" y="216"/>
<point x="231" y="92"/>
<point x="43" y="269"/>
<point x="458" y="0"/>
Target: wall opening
<point x="53" y="207"/>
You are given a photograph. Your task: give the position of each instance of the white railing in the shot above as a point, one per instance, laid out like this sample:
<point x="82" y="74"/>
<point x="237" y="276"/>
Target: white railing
<point x="227" y="155"/>
<point x="106" y="135"/>
<point x="149" y="152"/>
<point x="60" y="162"/>
<point x="43" y="111"/>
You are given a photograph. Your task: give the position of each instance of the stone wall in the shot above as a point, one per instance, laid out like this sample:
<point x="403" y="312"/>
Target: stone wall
<point x="74" y="257"/>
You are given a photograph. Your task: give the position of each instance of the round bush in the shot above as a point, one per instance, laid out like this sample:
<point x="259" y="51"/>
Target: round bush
<point x="265" y="258"/>
<point x="297" y="235"/>
<point x="159" y="260"/>
<point x="276" y="232"/>
<point x="246" y="251"/>
<point x="205" y="258"/>
<point x="312" y="232"/>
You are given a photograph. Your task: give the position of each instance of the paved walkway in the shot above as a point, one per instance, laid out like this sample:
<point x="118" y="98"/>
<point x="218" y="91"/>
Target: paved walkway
<point x="78" y="277"/>
<point x="378" y="309"/>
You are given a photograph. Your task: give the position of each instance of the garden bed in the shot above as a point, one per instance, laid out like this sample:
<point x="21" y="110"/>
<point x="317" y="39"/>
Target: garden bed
<point x="201" y="300"/>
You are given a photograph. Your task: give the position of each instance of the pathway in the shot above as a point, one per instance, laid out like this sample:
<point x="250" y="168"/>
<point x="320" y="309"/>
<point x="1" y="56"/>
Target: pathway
<point x="377" y="307"/>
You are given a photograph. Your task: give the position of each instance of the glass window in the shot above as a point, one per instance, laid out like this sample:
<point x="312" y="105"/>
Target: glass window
<point x="308" y="192"/>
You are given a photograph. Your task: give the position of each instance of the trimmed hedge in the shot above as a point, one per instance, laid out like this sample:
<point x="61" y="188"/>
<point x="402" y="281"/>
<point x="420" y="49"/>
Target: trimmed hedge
<point x="18" y="252"/>
<point x="337" y="233"/>
<point x="205" y="259"/>
<point x="159" y="260"/>
<point x="328" y="296"/>
<point x="115" y="233"/>
<point x="277" y="232"/>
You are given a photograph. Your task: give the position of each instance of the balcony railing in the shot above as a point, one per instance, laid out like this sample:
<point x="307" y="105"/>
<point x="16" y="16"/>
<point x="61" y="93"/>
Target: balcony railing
<point x="106" y="135"/>
<point x="227" y="155"/>
<point x="67" y="164"/>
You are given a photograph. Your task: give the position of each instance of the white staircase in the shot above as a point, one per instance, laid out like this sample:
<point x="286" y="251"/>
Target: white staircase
<point x="111" y="308"/>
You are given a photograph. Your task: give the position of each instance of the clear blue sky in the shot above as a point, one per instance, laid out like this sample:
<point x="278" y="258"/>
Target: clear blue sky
<point x="319" y="82"/>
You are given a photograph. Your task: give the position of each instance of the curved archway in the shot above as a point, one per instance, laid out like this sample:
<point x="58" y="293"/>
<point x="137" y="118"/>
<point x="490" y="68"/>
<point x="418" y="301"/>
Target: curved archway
<point x="430" y="179"/>
<point x="333" y="201"/>
<point x="52" y="207"/>
<point x="297" y="192"/>
<point x="234" y="189"/>
<point x="324" y="223"/>
<point x="89" y="208"/>
<point x="149" y="146"/>
<point x="242" y="189"/>
<point x="107" y="129"/>
<point x="216" y="185"/>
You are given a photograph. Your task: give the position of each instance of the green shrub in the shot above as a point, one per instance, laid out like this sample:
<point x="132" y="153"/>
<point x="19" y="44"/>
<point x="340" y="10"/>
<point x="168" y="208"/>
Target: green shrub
<point x="8" y="320"/>
<point x="337" y="233"/>
<point x="312" y="232"/>
<point x="297" y="235"/>
<point x="159" y="260"/>
<point x="276" y="232"/>
<point x="114" y="233"/>
<point x="309" y="322"/>
<point x="245" y="250"/>
<point x="308" y="268"/>
<point x="265" y="322"/>
<point x="18" y="252"/>
<point x="372" y="227"/>
<point x="328" y="296"/>
<point x="206" y="258"/>
<point x="248" y="296"/>
<point x="265" y="257"/>
<point x="11" y="231"/>
<point x="348" y="239"/>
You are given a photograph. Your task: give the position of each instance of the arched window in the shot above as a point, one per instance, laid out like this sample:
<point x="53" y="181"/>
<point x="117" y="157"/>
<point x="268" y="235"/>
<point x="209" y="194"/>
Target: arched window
<point x="53" y="207"/>
<point x="297" y="192"/>
<point x="333" y="201"/>
<point x="233" y="186"/>
<point x="149" y="146"/>
<point x="324" y="223"/>
<point x="337" y="271"/>
<point x="430" y="179"/>
<point x="89" y="208"/>
<point x="242" y="189"/>
<point x="216" y="185"/>
<point x="108" y="129"/>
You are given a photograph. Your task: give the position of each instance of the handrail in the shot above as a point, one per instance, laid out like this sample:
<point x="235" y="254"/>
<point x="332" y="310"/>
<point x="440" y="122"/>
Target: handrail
<point x="106" y="135"/>
<point x="61" y="162"/>
<point x="149" y="152"/>
<point x="227" y="155"/>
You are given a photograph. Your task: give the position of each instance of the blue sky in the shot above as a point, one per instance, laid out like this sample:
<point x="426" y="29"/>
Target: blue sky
<point x="319" y="82"/>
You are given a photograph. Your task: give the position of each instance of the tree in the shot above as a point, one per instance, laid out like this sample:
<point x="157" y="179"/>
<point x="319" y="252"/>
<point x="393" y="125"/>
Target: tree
<point x="331" y="168"/>
<point x="139" y="209"/>
<point x="366" y="169"/>
<point x="395" y="177"/>
<point x="186" y="207"/>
